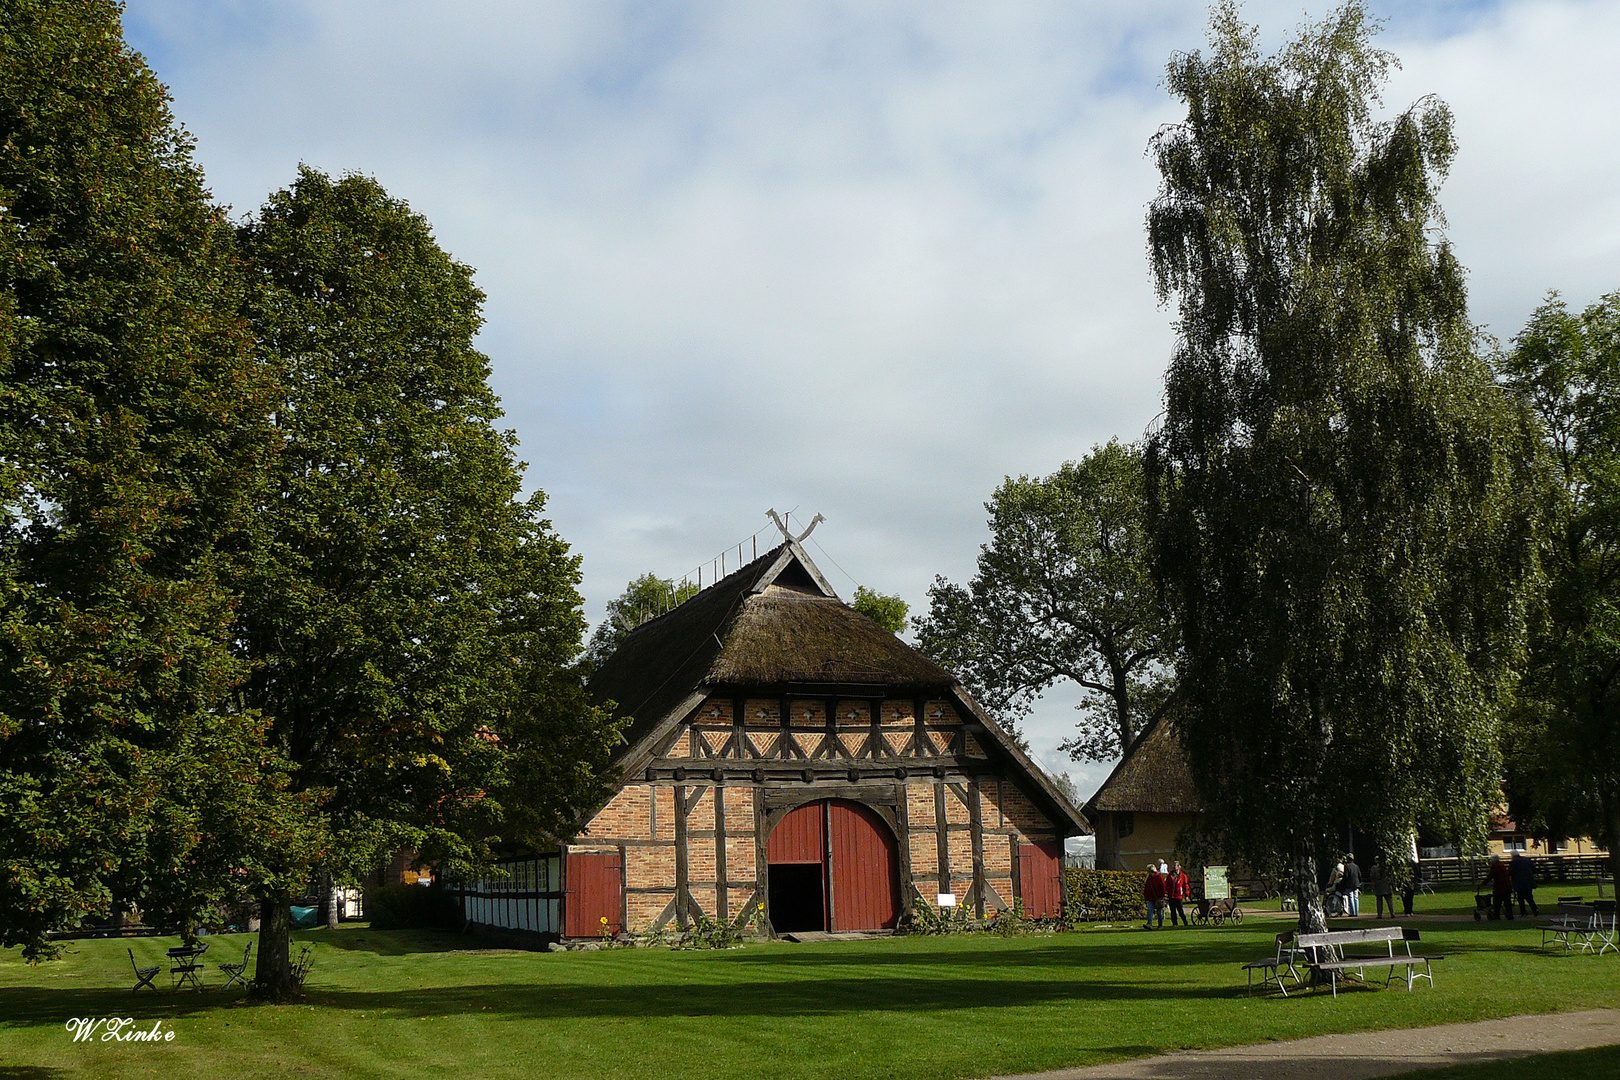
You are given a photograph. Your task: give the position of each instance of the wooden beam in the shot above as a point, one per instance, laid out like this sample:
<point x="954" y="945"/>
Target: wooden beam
<point x="667" y="914"/>
<point x="1017" y="869"/>
<point x="746" y="910"/>
<point x="978" y="848"/>
<point x="902" y="836"/>
<point x="683" y="897"/>
<point x="722" y="910"/>
<point x="941" y="838"/>
<point x="624" y="895"/>
<point x="761" y="864"/>
<point x="739" y="722"/>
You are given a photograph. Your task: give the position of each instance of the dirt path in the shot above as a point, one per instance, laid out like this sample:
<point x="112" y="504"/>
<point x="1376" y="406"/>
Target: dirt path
<point x="1368" y="1053"/>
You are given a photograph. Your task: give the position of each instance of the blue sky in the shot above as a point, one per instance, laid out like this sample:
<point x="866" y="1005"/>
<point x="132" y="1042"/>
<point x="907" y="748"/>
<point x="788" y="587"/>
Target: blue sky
<point x="861" y="259"/>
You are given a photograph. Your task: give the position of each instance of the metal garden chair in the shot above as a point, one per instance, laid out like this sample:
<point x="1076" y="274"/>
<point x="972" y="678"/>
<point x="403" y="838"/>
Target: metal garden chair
<point x="236" y="973"/>
<point x="143" y="975"/>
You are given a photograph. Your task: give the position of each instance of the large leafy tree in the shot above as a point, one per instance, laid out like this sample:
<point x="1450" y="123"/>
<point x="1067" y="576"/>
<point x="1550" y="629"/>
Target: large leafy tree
<point x="1338" y="488"/>
<point x="1063" y="592"/>
<point x="1564" y="739"/>
<point x="131" y="434"/>
<point x="412" y="621"/>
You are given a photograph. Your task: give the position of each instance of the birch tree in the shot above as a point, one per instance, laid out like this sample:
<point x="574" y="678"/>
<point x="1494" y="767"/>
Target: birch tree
<point x="1339" y="492"/>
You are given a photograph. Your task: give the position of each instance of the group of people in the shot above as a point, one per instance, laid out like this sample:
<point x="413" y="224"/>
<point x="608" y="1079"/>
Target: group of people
<point x="1514" y="879"/>
<point x="1343" y="892"/>
<point x="1166" y="887"/>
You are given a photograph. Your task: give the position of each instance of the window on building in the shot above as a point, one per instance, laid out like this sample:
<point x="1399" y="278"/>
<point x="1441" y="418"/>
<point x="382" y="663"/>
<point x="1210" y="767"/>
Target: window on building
<point x="1124" y="825"/>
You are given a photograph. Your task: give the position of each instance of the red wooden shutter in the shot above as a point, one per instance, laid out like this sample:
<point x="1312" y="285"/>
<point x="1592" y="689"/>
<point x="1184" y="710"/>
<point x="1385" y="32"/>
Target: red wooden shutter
<point x="1040" y="879"/>
<point x="864" y="868"/>
<point x="593" y="894"/>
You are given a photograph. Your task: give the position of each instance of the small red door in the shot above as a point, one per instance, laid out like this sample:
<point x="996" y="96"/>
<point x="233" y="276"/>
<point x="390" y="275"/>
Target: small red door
<point x="1040" y="879"/>
<point x="593" y="894"/>
<point x="864" y="868"/>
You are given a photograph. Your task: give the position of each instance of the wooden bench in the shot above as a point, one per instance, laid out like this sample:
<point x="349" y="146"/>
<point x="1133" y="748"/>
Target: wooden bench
<point x="1273" y="968"/>
<point x="1325" y="953"/>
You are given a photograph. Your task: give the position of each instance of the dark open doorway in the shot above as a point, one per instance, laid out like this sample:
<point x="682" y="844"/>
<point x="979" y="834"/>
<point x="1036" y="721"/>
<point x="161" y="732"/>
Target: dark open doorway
<point x="797" y="897"/>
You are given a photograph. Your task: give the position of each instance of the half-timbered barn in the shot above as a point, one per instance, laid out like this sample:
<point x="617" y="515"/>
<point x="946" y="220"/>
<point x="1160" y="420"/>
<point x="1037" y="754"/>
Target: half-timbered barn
<point x="793" y="764"/>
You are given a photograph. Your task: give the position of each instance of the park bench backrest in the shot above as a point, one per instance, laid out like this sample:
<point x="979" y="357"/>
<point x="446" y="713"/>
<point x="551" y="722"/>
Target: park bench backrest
<point x="1576" y="912"/>
<point x="1336" y="940"/>
<point x="1339" y="938"/>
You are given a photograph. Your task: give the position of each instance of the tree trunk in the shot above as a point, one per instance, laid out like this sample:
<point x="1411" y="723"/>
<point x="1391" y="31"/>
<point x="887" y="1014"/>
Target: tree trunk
<point x="273" y="979"/>
<point x="1312" y="918"/>
<point x="331" y="906"/>
<point x="1611" y="806"/>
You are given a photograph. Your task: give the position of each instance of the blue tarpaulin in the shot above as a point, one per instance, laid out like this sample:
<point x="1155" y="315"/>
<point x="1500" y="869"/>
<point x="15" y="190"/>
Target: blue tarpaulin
<point x="304" y="917"/>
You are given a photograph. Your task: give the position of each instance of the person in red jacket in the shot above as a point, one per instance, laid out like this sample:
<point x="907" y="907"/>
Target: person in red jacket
<point x="1175" y="891"/>
<point x="1501" y="888"/>
<point x="1153" y="895"/>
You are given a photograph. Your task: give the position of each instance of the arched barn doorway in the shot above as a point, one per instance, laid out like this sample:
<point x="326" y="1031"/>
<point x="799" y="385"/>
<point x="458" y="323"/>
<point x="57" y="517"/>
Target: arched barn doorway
<point x="834" y="865"/>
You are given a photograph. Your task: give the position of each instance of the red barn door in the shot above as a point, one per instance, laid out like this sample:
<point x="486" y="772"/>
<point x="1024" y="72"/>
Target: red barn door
<point x="593" y="894"/>
<point x="1040" y="879"/>
<point x="833" y="854"/>
<point x="864" y="868"/>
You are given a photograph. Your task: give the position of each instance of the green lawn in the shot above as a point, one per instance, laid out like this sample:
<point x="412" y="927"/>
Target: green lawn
<point x="421" y="1004"/>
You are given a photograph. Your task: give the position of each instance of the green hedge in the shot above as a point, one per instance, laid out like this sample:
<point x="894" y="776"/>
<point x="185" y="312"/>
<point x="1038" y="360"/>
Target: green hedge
<point x="1104" y="895"/>
<point x="412" y="907"/>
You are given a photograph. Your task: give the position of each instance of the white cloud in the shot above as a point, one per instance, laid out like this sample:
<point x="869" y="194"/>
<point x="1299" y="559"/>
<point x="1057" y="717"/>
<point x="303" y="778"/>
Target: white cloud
<point x="864" y="259"/>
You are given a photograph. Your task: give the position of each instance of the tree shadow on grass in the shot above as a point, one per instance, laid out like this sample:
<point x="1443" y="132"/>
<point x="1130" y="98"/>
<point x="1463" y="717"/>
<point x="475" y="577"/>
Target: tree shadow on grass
<point x="1076" y="953"/>
<point x="578" y="1001"/>
<point x="29" y="1072"/>
<point x="395" y="942"/>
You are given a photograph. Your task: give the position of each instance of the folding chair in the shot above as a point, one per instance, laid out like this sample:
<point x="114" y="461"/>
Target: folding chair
<point x="145" y="975"/>
<point x="1604" y="928"/>
<point x="235" y="972"/>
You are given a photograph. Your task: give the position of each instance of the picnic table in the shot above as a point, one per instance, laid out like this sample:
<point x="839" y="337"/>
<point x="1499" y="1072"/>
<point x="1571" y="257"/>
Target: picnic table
<point x="1326" y="957"/>
<point x="1582" y="926"/>
<point x="184" y="959"/>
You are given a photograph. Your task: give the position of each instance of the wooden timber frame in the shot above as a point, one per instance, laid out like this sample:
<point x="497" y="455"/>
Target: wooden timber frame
<point x="765" y="693"/>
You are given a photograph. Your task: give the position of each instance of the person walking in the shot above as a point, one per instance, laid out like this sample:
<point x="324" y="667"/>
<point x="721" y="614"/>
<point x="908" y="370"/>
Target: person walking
<point x="1335" y="896"/>
<point x="1501" y="888"/>
<point x="1351" y="886"/>
<point x="1175" y="892"/>
<point x="1383" y="888"/>
<point x="1153" y="896"/>
<point x="1414" y="875"/>
<point x="1522" y="872"/>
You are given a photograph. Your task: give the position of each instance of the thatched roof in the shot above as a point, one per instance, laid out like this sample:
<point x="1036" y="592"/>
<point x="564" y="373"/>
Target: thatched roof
<point x="775" y="622"/>
<point x="1152" y="777"/>
<point x="777" y="625"/>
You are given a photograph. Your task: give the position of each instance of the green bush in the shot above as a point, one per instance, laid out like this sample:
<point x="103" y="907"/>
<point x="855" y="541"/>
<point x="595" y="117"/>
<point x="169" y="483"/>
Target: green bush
<point x="927" y="919"/>
<point x="1104" y="895"/>
<point x="412" y="907"/>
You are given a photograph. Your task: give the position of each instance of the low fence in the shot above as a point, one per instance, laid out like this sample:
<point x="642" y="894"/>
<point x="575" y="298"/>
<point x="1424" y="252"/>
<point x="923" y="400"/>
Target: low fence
<point x="1550" y="869"/>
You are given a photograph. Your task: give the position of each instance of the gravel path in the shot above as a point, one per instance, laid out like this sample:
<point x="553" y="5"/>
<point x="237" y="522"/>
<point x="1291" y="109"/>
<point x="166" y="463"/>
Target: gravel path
<point x="1368" y="1053"/>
